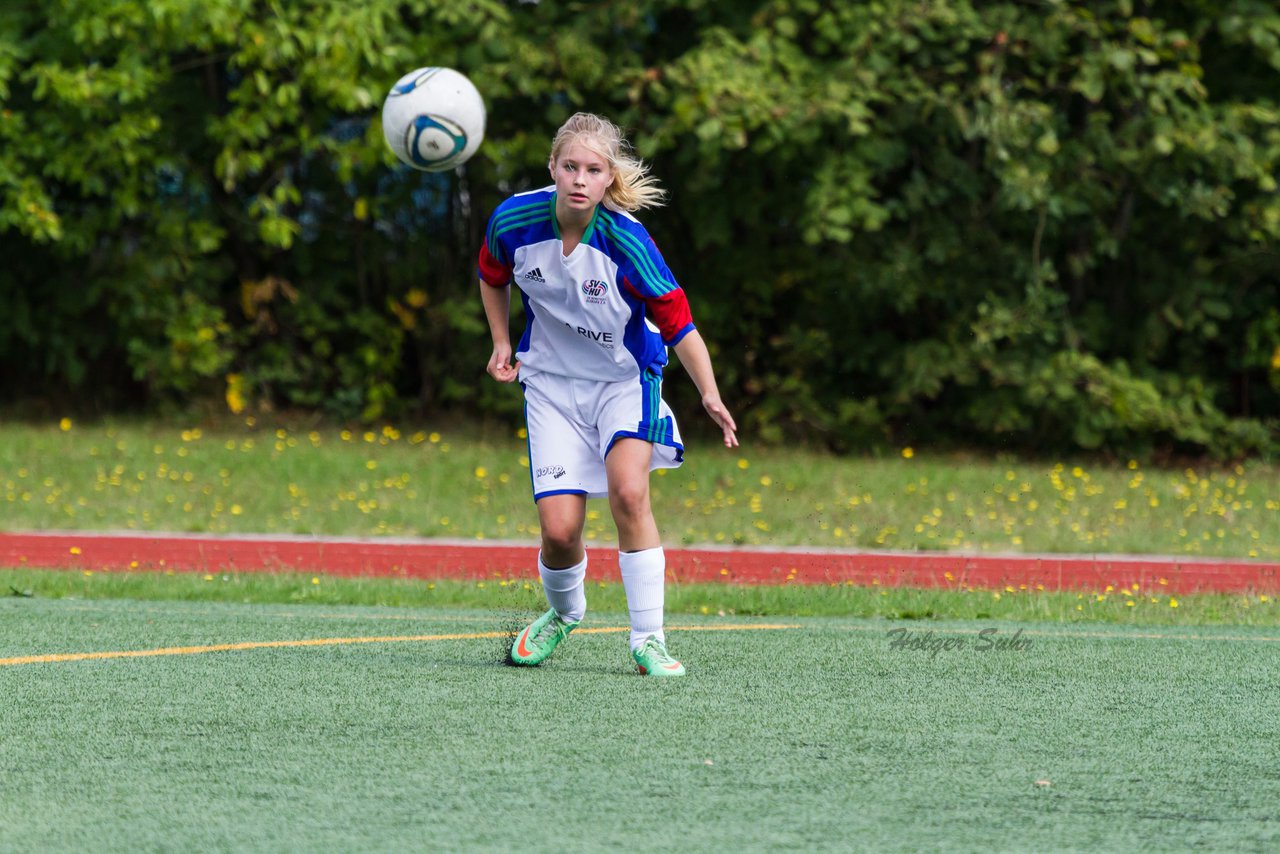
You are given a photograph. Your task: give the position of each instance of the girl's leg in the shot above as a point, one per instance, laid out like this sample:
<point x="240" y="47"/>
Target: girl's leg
<point x="562" y="565"/>
<point x="640" y="557"/>
<point x="627" y="467"/>
<point x="562" y="562"/>
<point x="561" y="518"/>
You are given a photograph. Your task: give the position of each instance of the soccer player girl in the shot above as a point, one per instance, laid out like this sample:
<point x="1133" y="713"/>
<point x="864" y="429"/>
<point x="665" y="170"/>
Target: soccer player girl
<point x="601" y="308"/>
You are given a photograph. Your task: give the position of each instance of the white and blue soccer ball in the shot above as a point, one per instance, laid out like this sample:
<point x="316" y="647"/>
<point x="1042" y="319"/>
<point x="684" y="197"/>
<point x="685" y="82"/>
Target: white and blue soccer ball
<point x="433" y="119"/>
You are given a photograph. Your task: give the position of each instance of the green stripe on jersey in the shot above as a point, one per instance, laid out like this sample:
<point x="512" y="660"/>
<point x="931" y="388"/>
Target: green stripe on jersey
<point x="630" y="246"/>
<point x="652" y="410"/>
<point x="523" y="208"/>
<point x="525" y="214"/>
<point x="509" y="224"/>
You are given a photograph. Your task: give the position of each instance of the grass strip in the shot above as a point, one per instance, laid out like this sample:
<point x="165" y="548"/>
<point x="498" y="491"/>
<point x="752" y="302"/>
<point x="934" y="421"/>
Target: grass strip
<point x="1125" y="607"/>
<point x="252" y="477"/>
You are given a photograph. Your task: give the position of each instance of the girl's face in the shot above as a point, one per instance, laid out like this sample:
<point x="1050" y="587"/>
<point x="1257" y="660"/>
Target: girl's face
<point x="581" y="177"/>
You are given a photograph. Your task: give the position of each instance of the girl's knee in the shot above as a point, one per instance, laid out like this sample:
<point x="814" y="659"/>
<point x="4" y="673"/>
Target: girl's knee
<point x="561" y="538"/>
<point x="630" y="499"/>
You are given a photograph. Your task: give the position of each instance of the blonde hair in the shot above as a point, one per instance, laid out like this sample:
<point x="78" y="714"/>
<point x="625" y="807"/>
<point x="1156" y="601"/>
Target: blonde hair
<point x="633" y="187"/>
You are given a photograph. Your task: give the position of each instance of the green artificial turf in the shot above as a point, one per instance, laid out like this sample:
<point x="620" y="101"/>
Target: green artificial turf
<point x="825" y="736"/>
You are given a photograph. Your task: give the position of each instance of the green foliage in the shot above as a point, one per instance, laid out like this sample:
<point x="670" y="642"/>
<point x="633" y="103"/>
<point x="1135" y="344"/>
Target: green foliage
<point x="999" y="223"/>
<point x="194" y="345"/>
<point x="1030" y="225"/>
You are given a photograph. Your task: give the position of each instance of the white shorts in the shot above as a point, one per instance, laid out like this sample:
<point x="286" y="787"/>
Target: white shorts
<point x="573" y="423"/>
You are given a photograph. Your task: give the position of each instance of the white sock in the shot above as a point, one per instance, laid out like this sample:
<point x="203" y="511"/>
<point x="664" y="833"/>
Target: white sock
<point x="565" y="589"/>
<point x="643" y="578"/>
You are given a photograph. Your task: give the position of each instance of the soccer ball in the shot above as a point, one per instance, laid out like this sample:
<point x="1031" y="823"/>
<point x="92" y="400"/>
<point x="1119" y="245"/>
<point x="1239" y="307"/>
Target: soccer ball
<point x="433" y="119"/>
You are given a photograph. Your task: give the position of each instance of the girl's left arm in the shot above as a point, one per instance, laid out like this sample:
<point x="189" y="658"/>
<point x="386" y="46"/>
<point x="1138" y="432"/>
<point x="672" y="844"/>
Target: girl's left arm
<point x="693" y="354"/>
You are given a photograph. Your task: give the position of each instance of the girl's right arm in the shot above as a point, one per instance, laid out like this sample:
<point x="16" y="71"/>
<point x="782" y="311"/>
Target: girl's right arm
<point x="497" y="309"/>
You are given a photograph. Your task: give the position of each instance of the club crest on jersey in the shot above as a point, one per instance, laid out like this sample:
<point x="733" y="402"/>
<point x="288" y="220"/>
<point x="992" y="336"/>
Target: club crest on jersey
<point x="595" y="291"/>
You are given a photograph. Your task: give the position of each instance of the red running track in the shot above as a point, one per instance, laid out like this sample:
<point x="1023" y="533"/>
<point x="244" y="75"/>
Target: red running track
<point x="480" y="559"/>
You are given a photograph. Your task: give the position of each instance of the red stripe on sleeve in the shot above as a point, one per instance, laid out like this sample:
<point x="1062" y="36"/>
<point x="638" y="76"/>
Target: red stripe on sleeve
<point x="492" y="271"/>
<point x="669" y="312"/>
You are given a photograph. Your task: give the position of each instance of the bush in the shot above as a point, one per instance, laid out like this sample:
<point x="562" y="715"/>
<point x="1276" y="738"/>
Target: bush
<point x="996" y="223"/>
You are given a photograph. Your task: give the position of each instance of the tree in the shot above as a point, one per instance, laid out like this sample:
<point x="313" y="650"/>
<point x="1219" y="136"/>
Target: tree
<point x="1047" y="226"/>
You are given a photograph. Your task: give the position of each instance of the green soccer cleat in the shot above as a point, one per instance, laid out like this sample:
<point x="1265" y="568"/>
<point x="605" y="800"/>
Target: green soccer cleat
<point x="540" y="638"/>
<point x="652" y="659"/>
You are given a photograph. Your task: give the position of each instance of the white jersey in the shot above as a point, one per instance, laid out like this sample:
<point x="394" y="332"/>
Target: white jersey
<point x="608" y="311"/>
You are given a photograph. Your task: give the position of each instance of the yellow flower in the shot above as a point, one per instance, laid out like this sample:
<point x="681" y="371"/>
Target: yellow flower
<point x="235" y="393"/>
<point x="908" y="453"/>
<point x="64" y="425"/>
<point x="1173" y="603"/>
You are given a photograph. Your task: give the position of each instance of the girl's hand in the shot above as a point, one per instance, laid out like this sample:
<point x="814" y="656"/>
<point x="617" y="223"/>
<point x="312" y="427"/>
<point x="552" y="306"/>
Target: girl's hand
<point x="500" y="367"/>
<point x="719" y="414"/>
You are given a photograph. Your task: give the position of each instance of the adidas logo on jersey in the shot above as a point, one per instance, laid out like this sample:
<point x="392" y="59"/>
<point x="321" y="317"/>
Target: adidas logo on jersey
<point x="535" y="275"/>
